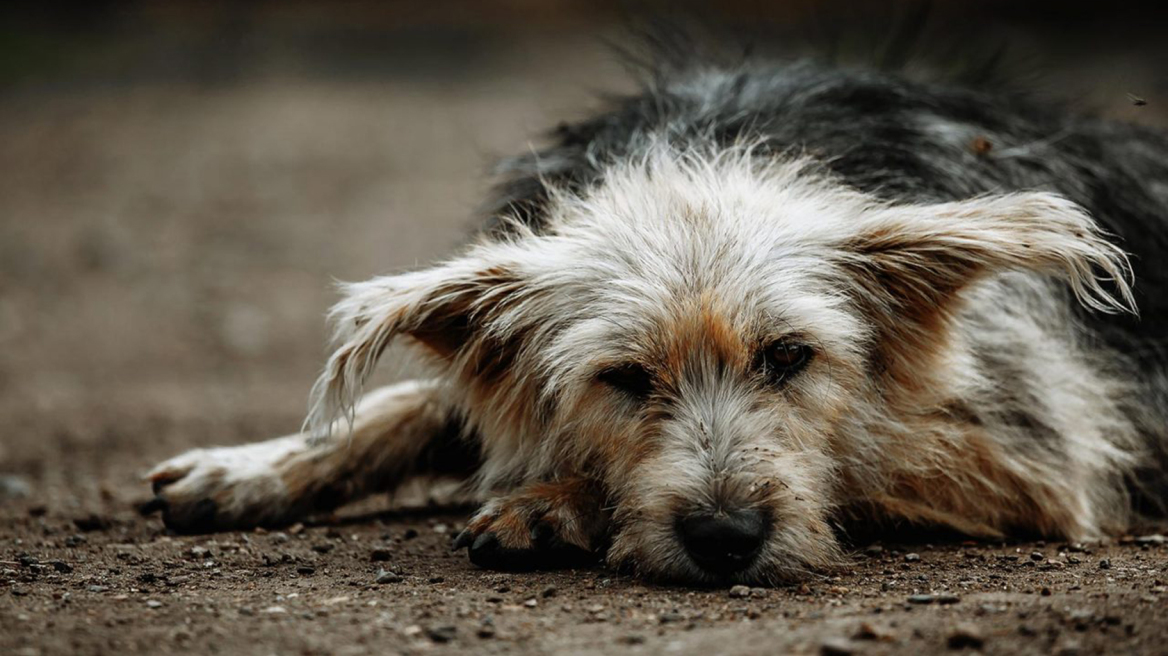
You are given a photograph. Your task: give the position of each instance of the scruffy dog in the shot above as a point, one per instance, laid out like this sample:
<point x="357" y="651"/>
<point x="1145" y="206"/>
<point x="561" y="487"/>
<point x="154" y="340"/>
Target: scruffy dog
<point x="705" y="328"/>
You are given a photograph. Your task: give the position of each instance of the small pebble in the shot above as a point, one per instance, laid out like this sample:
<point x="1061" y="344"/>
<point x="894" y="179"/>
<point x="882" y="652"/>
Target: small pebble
<point x="442" y="634"/>
<point x="306" y="570"/>
<point x="921" y="599"/>
<point x="965" y="636"/>
<point x="379" y="555"/>
<point x="386" y="576"/>
<point x="153" y="603"/>
<point x="14" y="487"/>
<point x="869" y="631"/>
<point x="1104" y="563"/>
<point x="739" y="592"/>
<point x="548" y="592"/>
<point x="836" y="647"/>
<point x="912" y="558"/>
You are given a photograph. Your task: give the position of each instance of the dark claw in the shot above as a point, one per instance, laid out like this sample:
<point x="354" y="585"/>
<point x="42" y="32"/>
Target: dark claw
<point x="485" y="551"/>
<point x="463" y="540"/>
<point x="152" y="506"/>
<point x="546" y="554"/>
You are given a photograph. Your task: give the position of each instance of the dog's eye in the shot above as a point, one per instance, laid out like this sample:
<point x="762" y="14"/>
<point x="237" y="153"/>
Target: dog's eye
<point x="632" y="379"/>
<point x="784" y="359"/>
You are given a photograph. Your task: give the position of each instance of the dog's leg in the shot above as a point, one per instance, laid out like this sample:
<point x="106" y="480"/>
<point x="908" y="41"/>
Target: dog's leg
<point x="398" y="430"/>
<point x="544" y="525"/>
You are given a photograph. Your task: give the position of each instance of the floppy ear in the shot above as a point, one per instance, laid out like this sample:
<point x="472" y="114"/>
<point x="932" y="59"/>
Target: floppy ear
<point x="447" y="308"/>
<point x="911" y="263"/>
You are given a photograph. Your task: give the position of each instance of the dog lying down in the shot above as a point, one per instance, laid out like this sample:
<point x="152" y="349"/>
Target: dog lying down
<point x="704" y="329"/>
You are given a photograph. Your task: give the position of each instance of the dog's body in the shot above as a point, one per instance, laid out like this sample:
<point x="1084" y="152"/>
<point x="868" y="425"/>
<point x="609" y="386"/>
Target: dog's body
<point x="703" y="328"/>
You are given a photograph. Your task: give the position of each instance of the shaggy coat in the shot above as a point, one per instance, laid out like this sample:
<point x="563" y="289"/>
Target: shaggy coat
<point x="707" y="327"/>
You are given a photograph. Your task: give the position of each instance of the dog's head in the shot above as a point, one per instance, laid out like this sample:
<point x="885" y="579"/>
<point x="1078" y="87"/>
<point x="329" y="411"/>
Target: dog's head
<point x="704" y="336"/>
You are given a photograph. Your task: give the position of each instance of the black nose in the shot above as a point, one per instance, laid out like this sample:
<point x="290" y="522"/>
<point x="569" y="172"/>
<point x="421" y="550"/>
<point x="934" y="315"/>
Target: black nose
<point x="723" y="542"/>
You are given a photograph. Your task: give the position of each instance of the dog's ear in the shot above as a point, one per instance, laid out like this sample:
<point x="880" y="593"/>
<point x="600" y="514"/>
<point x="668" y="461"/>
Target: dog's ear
<point x="910" y="263"/>
<point x="448" y="308"/>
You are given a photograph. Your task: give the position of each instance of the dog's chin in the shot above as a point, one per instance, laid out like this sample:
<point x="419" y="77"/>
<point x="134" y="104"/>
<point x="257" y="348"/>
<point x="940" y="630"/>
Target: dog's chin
<point x="654" y="553"/>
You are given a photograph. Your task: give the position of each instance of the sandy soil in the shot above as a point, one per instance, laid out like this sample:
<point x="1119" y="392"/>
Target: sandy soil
<point x="166" y="250"/>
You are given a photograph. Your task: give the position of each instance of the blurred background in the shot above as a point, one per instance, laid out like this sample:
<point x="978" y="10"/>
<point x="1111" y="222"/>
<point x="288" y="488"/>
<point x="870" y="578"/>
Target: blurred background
<point x="181" y="182"/>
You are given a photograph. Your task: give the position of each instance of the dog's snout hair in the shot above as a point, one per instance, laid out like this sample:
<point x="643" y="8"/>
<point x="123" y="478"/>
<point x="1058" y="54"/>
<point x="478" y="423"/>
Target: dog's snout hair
<point x="742" y="307"/>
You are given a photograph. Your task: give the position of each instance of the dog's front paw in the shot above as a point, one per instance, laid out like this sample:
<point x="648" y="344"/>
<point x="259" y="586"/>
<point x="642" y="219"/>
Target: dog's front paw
<point x="544" y="526"/>
<point x="224" y="488"/>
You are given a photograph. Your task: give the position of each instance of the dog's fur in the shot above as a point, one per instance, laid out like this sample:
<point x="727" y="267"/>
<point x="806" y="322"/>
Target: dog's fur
<point x="949" y="265"/>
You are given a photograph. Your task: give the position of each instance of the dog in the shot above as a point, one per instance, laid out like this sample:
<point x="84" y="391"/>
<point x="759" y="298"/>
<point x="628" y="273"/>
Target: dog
<point x="744" y="307"/>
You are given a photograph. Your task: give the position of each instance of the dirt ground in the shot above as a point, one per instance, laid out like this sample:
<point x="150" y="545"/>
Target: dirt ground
<point x="168" y="236"/>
